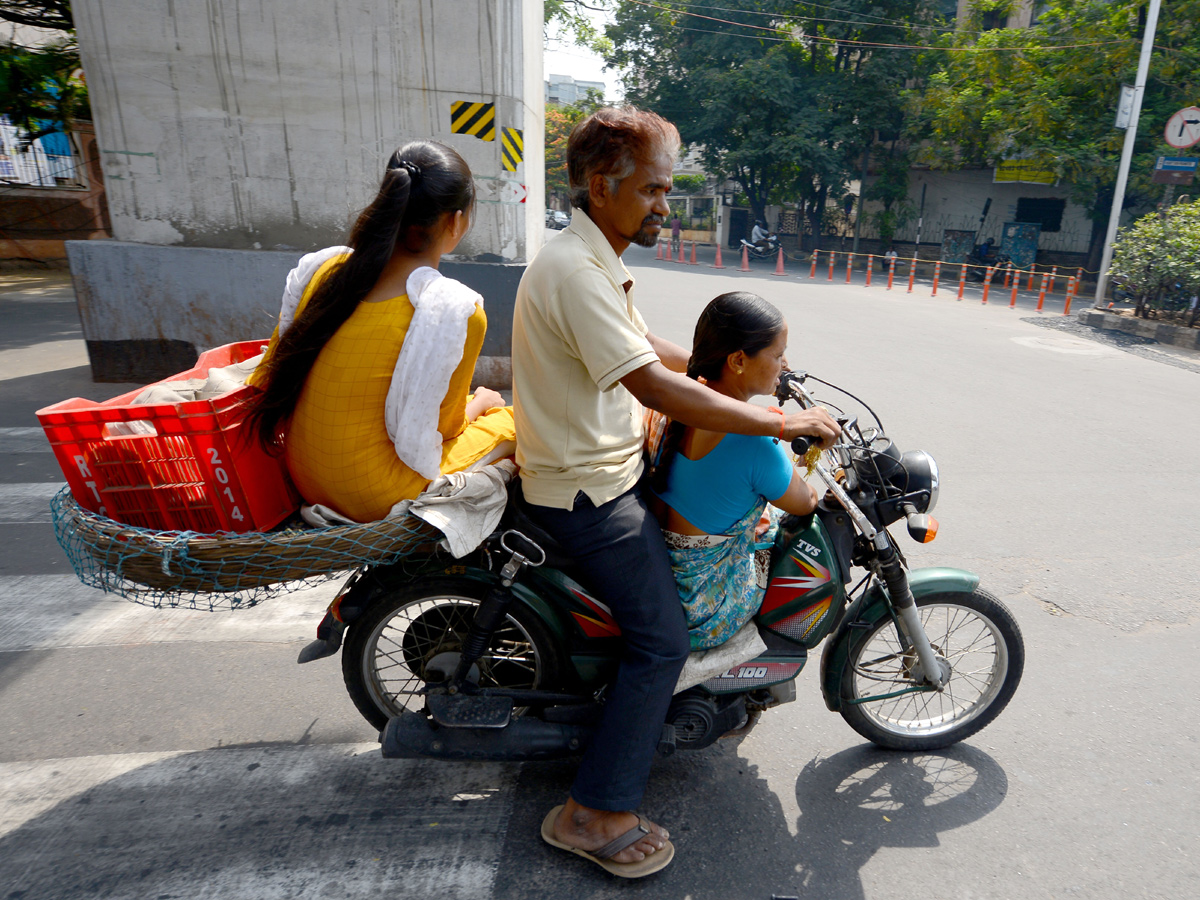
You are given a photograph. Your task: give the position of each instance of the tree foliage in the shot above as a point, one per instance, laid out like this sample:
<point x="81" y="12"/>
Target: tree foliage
<point x="1050" y="92"/>
<point x="42" y="88"/>
<point x="572" y="17"/>
<point x="784" y="97"/>
<point x="559" y="122"/>
<point x="1157" y="259"/>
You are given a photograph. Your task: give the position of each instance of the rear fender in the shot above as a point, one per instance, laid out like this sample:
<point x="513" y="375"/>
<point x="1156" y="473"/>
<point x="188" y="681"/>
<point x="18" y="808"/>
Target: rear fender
<point x="864" y="613"/>
<point x="369" y="589"/>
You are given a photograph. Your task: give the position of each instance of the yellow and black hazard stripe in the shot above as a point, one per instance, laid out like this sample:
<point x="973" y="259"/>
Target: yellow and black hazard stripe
<point x="512" y="148"/>
<point x="478" y="119"/>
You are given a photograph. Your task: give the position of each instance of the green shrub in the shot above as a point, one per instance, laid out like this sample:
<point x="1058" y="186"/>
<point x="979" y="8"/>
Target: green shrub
<point x="1157" y="260"/>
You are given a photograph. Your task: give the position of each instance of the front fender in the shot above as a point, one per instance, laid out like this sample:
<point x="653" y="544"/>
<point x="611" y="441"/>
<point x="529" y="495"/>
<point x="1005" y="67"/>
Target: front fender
<point x="863" y="614"/>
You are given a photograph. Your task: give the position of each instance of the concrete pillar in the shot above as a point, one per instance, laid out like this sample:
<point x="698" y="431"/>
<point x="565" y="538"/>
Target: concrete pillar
<point x="262" y="127"/>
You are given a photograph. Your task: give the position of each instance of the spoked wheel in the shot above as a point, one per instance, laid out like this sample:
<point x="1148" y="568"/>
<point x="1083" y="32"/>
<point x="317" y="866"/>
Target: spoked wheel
<point x="415" y="636"/>
<point x="974" y="635"/>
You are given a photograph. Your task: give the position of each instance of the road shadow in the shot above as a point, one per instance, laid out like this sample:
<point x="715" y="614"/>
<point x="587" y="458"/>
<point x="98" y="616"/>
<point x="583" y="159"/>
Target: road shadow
<point x="732" y="837"/>
<point x="330" y="821"/>
<point x="25" y="395"/>
<point x="37" y="321"/>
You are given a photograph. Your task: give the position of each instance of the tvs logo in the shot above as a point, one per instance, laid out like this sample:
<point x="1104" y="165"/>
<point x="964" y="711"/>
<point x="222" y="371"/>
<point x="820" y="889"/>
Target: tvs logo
<point x="786" y="588"/>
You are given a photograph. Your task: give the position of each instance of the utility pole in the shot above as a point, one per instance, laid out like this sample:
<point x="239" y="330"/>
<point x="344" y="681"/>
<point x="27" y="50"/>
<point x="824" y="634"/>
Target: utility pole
<point x="1139" y="89"/>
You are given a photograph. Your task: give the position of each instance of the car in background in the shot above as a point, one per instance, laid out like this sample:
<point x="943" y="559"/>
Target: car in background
<point x="557" y="219"/>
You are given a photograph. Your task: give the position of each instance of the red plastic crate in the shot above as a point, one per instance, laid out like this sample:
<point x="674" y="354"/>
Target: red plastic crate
<point x="200" y="472"/>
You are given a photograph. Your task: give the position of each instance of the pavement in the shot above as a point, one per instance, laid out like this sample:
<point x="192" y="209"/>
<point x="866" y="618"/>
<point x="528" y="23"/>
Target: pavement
<point x="184" y="754"/>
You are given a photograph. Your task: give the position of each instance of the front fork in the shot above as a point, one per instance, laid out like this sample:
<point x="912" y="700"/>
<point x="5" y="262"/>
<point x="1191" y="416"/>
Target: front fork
<point x="933" y="671"/>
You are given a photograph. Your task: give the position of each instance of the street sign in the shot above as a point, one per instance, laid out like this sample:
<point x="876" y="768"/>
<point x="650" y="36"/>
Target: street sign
<point x="1183" y="128"/>
<point x="1175" y="169"/>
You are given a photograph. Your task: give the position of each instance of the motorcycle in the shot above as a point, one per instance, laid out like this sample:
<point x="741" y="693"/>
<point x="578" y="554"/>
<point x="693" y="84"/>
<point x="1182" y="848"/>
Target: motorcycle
<point x="504" y="655"/>
<point x="979" y="262"/>
<point x="768" y="249"/>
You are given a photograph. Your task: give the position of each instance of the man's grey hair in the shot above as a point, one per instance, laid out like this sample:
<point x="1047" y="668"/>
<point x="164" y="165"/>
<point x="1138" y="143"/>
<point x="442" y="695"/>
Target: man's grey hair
<point x="611" y="142"/>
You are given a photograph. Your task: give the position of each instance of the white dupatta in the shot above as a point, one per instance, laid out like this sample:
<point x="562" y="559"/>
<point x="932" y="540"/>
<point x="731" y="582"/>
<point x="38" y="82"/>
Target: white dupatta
<point x="433" y="348"/>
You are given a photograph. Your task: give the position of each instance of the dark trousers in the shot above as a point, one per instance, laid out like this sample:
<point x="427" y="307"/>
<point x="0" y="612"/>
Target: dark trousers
<point x="623" y="561"/>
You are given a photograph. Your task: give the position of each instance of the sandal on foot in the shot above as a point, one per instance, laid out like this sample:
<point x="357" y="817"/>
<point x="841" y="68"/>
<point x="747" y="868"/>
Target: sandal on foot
<point x="653" y="862"/>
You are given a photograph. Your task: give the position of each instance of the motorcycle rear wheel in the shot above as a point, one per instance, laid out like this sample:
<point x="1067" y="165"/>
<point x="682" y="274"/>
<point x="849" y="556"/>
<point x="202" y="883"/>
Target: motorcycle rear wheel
<point x="388" y="650"/>
<point x="975" y="634"/>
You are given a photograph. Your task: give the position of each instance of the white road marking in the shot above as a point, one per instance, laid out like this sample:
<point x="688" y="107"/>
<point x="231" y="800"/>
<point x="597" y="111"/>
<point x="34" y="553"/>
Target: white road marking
<point x="38" y="359"/>
<point x="323" y="820"/>
<point x="26" y="504"/>
<point x="42" y="612"/>
<point x="24" y="440"/>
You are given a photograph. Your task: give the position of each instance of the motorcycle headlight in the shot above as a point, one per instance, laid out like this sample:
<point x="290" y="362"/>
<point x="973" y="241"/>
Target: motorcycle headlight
<point x="922" y="475"/>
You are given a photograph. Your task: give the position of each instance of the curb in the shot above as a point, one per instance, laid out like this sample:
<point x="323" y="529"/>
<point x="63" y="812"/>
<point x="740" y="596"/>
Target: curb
<point x="1163" y="332"/>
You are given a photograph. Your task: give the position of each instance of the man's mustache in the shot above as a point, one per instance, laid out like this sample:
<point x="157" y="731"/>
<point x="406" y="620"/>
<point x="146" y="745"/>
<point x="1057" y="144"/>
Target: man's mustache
<point x="654" y="220"/>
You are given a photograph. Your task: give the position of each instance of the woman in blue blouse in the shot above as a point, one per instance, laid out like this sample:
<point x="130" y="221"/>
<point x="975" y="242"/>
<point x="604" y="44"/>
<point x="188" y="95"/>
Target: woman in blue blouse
<point x="715" y="487"/>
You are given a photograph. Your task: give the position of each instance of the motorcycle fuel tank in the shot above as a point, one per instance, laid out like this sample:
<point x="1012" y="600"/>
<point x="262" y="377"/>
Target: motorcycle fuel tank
<point x="804" y="590"/>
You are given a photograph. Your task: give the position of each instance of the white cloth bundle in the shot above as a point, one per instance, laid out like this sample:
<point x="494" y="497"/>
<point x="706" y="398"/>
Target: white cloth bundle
<point x="465" y="506"/>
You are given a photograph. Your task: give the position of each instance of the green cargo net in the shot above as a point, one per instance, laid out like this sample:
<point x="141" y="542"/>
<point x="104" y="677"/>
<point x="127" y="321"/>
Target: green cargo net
<point x="226" y="570"/>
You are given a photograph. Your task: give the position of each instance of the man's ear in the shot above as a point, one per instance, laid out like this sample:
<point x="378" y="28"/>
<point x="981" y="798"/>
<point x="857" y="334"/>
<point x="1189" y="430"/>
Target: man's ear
<point x="598" y="190"/>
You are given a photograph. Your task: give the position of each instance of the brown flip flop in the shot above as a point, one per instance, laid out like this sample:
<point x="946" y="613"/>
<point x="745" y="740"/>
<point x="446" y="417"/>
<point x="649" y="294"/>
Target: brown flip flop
<point x="654" y="862"/>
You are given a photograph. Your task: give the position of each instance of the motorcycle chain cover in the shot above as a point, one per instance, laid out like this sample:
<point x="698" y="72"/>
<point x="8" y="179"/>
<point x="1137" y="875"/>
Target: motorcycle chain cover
<point x="465" y="711"/>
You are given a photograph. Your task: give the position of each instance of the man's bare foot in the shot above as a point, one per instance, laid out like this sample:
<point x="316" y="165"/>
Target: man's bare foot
<point x="590" y="829"/>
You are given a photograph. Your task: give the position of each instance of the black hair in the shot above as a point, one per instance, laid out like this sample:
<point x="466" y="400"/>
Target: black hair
<point x="731" y="322"/>
<point x="423" y="181"/>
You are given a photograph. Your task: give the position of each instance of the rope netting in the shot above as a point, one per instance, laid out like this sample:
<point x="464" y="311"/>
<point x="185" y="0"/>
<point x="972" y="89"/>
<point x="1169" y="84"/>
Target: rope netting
<point x="226" y="570"/>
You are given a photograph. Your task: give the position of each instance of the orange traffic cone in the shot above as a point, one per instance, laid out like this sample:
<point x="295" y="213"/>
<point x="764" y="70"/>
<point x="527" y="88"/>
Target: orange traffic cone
<point x="681" y="259"/>
<point x="717" y="264"/>
<point x="692" y="261"/>
<point x="745" y="259"/>
<point x="659" y="256"/>
<point x="779" y="264"/>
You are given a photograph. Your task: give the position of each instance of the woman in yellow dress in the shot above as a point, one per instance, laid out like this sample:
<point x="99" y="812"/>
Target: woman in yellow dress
<point x="367" y="376"/>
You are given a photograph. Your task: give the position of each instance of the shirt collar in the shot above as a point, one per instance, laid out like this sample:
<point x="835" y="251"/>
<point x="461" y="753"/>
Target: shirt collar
<point x="589" y="232"/>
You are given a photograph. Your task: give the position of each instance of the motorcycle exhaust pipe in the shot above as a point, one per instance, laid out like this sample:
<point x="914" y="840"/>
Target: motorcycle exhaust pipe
<point x="412" y="736"/>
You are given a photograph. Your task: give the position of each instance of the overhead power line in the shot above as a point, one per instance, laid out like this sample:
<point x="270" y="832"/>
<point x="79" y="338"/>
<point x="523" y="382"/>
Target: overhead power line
<point x="774" y="35"/>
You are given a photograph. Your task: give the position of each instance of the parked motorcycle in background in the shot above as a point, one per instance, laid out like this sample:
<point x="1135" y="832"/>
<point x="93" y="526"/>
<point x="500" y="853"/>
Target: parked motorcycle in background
<point x="504" y="655"/>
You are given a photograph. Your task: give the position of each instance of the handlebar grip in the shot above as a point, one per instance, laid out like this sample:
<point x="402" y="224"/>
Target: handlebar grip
<point x="801" y="445"/>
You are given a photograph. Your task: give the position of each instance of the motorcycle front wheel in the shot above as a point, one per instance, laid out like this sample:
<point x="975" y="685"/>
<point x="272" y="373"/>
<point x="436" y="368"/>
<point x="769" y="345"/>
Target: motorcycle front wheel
<point x="415" y="635"/>
<point x="975" y="635"/>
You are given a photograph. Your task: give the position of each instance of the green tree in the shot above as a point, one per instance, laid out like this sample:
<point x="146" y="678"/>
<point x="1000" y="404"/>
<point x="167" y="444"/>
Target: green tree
<point x="784" y="97"/>
<point x="1050" y="92"/>
<point x="42" y="88"/>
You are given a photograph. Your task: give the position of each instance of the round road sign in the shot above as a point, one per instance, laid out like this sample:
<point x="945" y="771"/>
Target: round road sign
<point x="1183" y="128"/>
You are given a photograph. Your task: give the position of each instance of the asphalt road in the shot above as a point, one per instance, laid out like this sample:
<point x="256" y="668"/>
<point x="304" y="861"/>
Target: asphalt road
<point x="185" y="754"/>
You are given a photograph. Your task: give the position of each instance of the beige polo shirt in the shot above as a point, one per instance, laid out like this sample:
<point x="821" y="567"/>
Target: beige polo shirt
<point x="576" y="334"/>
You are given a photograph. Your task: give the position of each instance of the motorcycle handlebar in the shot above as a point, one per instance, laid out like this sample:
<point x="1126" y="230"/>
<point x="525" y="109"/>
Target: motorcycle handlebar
<point x="801" y="445"/>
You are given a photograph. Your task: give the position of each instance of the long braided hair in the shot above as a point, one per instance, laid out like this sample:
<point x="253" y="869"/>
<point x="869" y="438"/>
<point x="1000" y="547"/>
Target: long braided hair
<point x="734" y="321"/>
<point x="423" y="181"/>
